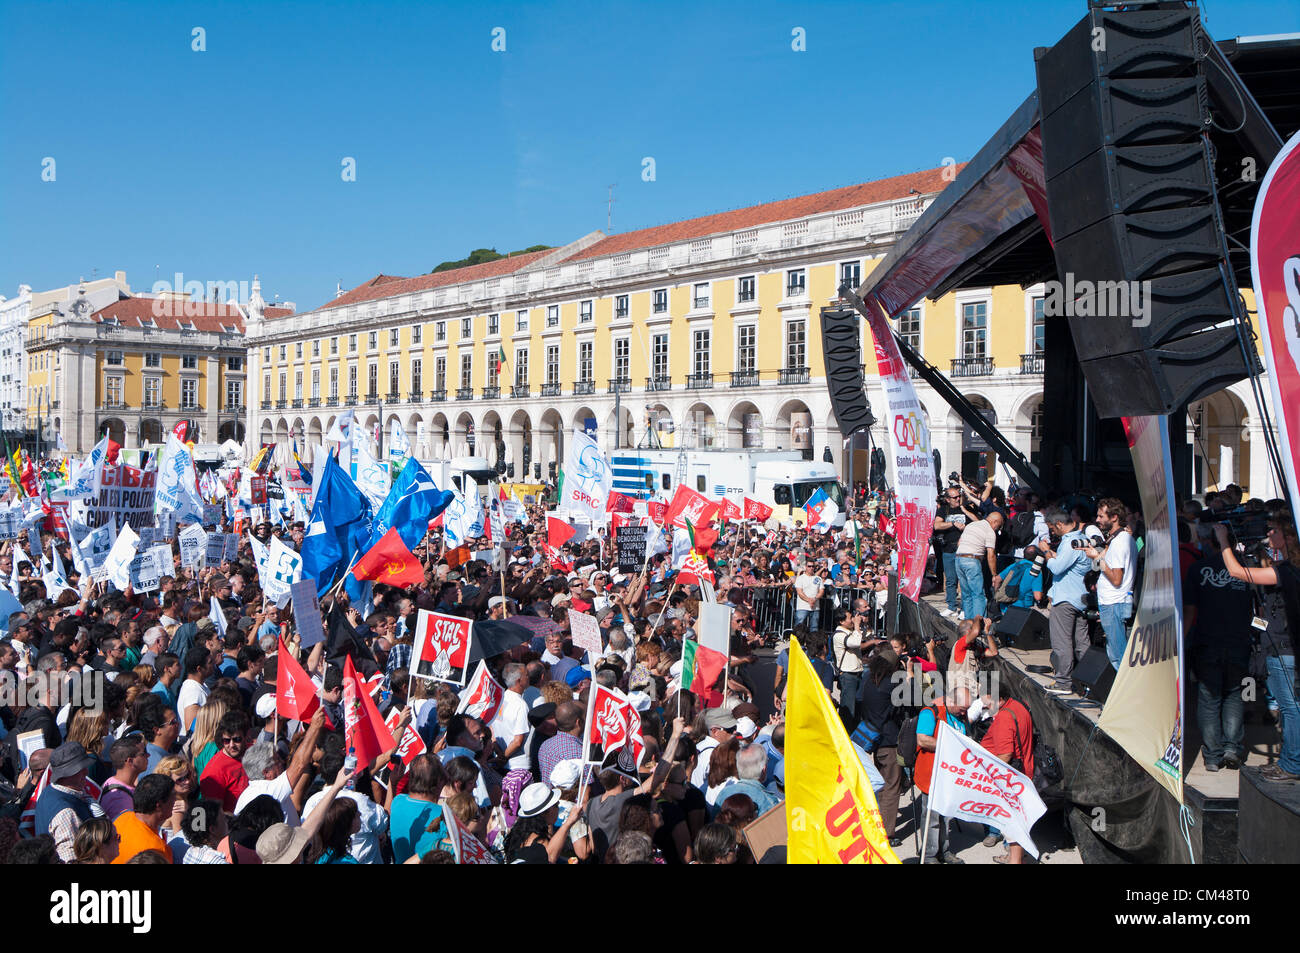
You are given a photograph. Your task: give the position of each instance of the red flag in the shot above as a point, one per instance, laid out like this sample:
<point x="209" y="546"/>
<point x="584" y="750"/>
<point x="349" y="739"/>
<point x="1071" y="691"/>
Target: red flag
<point x="618" y="503"/>
<point x="389" y="561"/>
<point x="656" y="511"/>
<point x="708" y="666"/>
<point x="694" y="567"/>
<point x="706" y="537"/>
<point x="553" y="556"/>
<point x="607" y="723"/>
<point x="558" y="532"/>
<point x="181" y="429"/>
<point x="482" y="697"/>
<point x="755" y="510"/>
<point x="467" y="848"/>
<point x="441" y="647"/>
<point x="411" y="745"/>
<point x="616" y="521"/>
<point x="688" y="505"/>
<point x="367" y="735"/>
<point x="729" y="511"/>
<point x="110" y="455"/>
<point x="295" y="693"/>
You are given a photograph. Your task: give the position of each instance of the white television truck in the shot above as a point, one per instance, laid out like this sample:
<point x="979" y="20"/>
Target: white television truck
<point x="782" y="479"/>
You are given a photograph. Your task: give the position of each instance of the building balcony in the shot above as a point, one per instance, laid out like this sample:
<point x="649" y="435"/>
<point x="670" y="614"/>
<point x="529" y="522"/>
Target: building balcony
<point x="551" y="390"/>
<point x="113" y="405"/>
<point x="297" y="403"/>
<point x="464" y="393"/>
<point x="658" y="383"/>
<point x="351" y="400"/>
<point x="581" y="388"/>
<point x="415" y="397"/>
<point x="332" y="401"/>
<point x="372" y="400"/>
<point x="266" y="405"/>
<point x="1031" y="363"/>
<point x="744" y="378"/>
<point x="620" y="314"/>
<point x="972" y="367"/>
<point x="489" y="393"/>
<point x="157" y="405"/>
<point x="438" y="396"/>
<point x="796" y="291"/>
<point x="313" y="401"/>
<point x="620" y="385"/>
<point x="393" y="398"/>
<point x="235" y="409"/>
<point x="699" y="381"/>
<point x="793" y="375"/>
<point x="281" y="404"/>
<point x="701" y="304"/>
<point x="191" y="408"/>
<point x="520" y="390"/>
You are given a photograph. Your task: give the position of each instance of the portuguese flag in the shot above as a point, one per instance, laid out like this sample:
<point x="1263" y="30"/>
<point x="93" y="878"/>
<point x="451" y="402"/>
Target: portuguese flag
<point x="700" y="670"/>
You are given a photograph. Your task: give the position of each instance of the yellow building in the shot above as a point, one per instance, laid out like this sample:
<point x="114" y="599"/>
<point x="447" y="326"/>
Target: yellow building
<point x="132" y="368"/>
<point x="711" y="324"/>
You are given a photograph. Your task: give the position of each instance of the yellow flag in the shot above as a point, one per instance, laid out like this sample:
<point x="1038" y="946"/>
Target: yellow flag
<point x="831" y="813"/>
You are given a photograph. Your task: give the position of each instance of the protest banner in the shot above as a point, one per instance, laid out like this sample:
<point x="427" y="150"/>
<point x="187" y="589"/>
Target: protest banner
<point x="126" y="497"/>
<point x="193" y="541"/>
<point x="216" y="545"/>
<point x="231" y="548"/>
<point x="970" y="784"/>
<point x="11" y="524"/>
<point x="212" y="513"/>
<point x="585" y="631"/>
<point x="483" y="696"/>
<point x="306" y="612"/>
<point x="631" y="543"/>
<point x="441" y="647"/>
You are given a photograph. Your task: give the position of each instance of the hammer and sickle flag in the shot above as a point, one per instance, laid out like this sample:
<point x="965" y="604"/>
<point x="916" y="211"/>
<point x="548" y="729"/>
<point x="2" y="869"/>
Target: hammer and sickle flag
<point x="390" y="562"/>
<point x="831" y="813"/>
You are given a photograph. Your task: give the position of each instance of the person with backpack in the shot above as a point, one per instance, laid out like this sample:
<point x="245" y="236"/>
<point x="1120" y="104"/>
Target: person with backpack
<point x="1020" y="587"/>
<point x="953" y="713"/>
<point x="1010" y="736"/>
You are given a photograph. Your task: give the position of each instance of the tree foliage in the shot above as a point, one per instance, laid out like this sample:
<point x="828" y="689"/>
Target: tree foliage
<point x="480" y="255"/>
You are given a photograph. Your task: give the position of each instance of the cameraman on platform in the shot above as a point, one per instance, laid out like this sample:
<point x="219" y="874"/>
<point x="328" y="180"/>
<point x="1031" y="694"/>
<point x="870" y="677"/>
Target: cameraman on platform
<point x="1067" y="624"/>
<point x="1118" y="568"/>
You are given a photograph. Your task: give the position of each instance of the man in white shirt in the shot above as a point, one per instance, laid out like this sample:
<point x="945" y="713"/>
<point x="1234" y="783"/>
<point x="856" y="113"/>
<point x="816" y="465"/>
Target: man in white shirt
<point x="268" y="775"/>
<point x="808" y="594"/>
<point x="510" y="726"/>
<point x="1118" y="572"/>
<point x="199" y="664"/>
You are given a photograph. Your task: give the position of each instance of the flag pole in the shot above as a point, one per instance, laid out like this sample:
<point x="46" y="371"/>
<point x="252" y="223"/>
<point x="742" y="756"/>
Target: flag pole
<point x="671" y="590"/>
<point x="929" y="799"/>
<point x="343" y="578"/>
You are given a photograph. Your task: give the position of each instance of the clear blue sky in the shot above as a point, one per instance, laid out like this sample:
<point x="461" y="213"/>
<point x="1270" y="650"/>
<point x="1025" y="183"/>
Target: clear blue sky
<point x="227" y="162"/>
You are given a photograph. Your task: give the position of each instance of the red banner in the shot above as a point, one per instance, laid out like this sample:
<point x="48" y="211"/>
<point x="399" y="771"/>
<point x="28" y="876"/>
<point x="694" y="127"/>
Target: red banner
<point x="441" y="648"/>
<point x="1275" y="272"/>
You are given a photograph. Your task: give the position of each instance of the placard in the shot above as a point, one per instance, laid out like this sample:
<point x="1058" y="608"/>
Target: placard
<point x="216" y="545"/>
<point x="11" y="524"/>
<point x="441" y="649"/>
<point x="631" y="543"/>
<point x="306" y="613"/>
<point x="34" y="542"/>
<point x="585" y="631"/>
<point x="212" y="513"/>
<point x="231" y="549"/>
<point x="193" y="541"/>
<point x="257" y="490"/>
<point x="126" y="497"/>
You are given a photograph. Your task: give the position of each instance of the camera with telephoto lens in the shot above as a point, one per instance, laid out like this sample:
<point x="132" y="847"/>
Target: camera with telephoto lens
<point x="954" y="478"/>
<point x="1036" y="569"/>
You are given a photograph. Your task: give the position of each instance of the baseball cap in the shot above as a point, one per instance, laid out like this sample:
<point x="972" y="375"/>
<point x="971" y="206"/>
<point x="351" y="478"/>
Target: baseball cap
<point x="720" y="718"/>
<point x="67" y="759"/>
<point x="204" y="624"/>
<point x="265" y="707"/>
<point x="577" y="675"/>
<point x="536" y="799"/>
<point x="566" y="773"/>
<point x="496" y="601"/>
<point x="746" y="728"/>
<point x="281" y="844"/>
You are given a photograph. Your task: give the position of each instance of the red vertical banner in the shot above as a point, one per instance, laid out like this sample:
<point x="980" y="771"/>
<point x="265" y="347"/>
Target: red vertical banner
<point x="1275" y="273"/>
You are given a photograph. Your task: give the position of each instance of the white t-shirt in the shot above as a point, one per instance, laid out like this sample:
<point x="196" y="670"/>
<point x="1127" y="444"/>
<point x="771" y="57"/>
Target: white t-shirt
<point x="1120" y="554"/>
<point x="364" y="846"/>
<point x="699" y="777"/>
<point x="192" y="693"/>
<point x="811" y="587"/>
<point x="279" y="789"/>
<point x="512" y="720"/>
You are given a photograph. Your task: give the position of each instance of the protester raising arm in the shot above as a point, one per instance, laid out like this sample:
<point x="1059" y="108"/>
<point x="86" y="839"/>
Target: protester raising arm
<point x="311" y="824"/>
<point x="297" y="772"/>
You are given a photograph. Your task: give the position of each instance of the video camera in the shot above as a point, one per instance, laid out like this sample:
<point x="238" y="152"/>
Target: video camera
<point x="1245" y="527"/>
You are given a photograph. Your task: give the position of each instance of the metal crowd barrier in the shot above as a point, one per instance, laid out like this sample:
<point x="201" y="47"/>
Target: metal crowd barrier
<point x="774" y="607"/>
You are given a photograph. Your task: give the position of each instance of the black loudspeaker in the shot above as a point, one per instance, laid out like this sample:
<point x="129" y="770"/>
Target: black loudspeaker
<point x="842" y="352"/>
<point x="1136" y="227"/>
<point x="1093" y="676"/>
<point x="1021" y="628"/>
<point x="1268" y="819"/>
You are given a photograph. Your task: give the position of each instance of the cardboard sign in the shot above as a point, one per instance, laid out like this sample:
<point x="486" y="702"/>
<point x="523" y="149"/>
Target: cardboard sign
<point x="631" y="543"/>
<point x="231" y="548"/>
<point x="126" y="497"/>
<point x="146" y="536"/>
<point x="586" y="634"/>
<point x="306" y="613"/>
<point x="11" y="524"/>
<point x="257" y="490"/>
<point x="216" y="545"/>
<point x="212" y="513"/>
<point x="441" y="649"/>
<point x="193" y="542"/>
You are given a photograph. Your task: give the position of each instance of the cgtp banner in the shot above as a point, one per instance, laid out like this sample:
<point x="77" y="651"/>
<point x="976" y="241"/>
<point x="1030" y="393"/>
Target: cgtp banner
<point x="1144" y="712"/>
<point x="909" y="440"/>
<point x="971" y="785"/>
<point x="1275" y="273"/>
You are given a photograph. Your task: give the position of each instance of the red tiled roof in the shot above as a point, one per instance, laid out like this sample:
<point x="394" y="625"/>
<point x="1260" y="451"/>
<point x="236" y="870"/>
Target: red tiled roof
<point x="387" y="286"/>
<point x="277" y="312"/>
<point x="168" y="314"/>
<point x="852" y="196"/>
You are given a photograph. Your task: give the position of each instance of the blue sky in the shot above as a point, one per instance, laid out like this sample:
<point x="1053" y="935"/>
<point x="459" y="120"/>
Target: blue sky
<point x="226" y="162"/>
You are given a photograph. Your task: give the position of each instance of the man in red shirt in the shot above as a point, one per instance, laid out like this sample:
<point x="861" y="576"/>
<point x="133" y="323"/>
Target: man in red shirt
<point x="224" y="778"/>
<point x="1011" y="738"/>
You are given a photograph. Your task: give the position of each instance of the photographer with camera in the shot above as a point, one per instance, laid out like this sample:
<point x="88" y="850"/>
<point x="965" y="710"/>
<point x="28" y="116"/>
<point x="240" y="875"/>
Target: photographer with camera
<point x="1118" y="570"/>
<point x="846" y="652"/>
<point x="1284" y="550"/>
<point x="950" y="518"/>
<point x="1067" y="624"/>
<point x="974" y="643"/>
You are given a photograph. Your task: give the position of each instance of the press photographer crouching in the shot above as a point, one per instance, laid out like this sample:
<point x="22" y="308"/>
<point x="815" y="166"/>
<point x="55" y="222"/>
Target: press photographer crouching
<point x="1284" y="548"/>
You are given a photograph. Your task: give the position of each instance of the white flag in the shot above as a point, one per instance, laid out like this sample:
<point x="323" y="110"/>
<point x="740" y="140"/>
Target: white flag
<point x="398" y="445"/>
<point x="177" y="484"/>
<point x="970" y="784"/>
<point x="341" y="429"/>
<point x="459" y="517"/>
<point x="217" y="615"/>
<point x="117" y="564"/>
<point x="56" y="580"/>
<point x="587" y="479"/>
<point x="372" y="478"/>
<point x="85" y="480"/>
<point x="278" y="568"/>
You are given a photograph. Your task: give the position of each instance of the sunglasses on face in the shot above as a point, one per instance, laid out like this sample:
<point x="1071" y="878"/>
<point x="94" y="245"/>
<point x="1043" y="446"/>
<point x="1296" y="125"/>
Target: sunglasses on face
<point x="231" y="741"/>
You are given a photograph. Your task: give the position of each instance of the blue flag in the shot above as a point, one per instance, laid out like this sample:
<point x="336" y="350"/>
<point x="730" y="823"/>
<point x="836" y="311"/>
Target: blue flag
<point x="412" y="501"/>
<point x="339" y="529"/>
